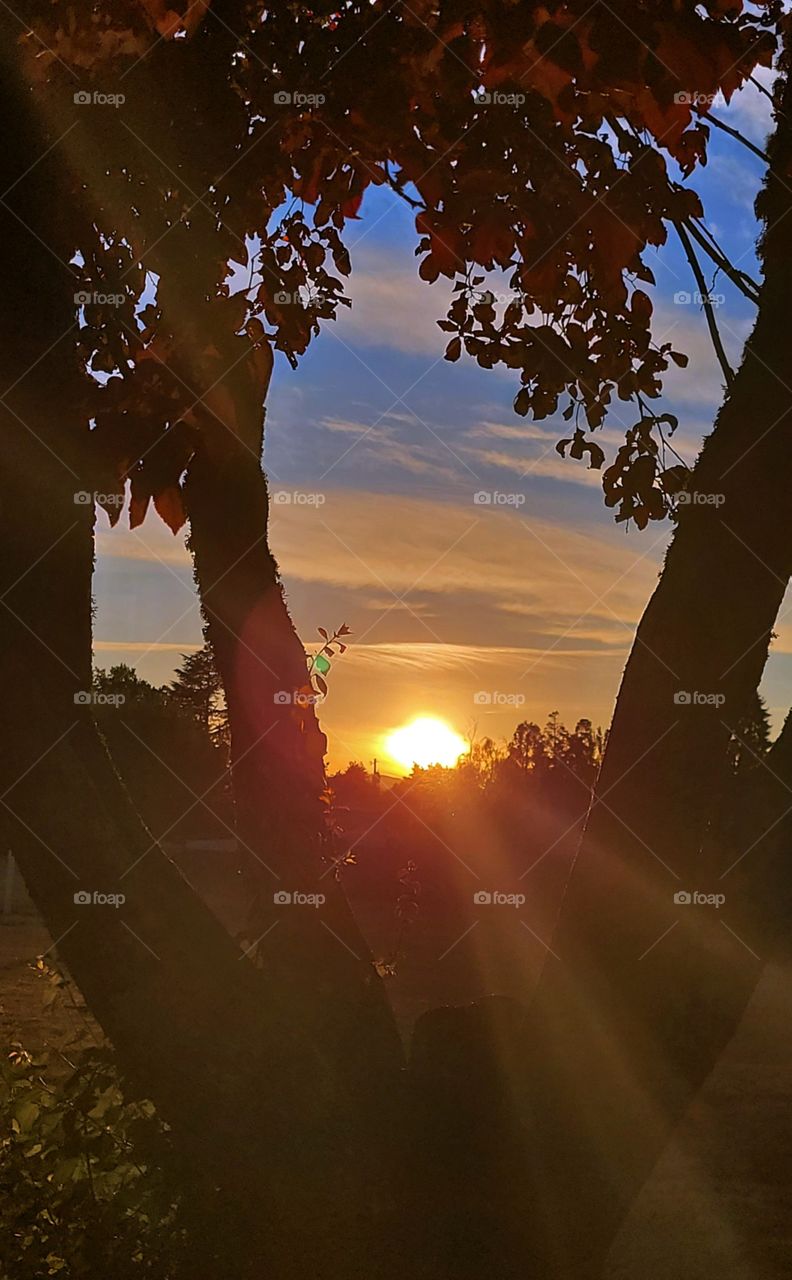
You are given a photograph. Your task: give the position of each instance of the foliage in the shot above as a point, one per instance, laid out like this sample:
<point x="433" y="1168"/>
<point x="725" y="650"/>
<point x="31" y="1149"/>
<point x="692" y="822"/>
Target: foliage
<point x="198" y="690"/>
<point x="173" y="761"/>
<point x="548" y="143"/>
<point x="320" y="662"/>
<point x="81" y="1191"/>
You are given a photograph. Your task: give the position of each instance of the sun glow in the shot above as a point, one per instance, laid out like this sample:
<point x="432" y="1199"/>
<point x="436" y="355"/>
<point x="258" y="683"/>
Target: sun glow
<point x="425" y="741"/>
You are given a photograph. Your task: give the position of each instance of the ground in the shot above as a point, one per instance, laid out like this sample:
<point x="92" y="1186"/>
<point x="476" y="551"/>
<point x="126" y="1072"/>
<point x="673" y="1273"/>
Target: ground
<point x="717" y="1204"/>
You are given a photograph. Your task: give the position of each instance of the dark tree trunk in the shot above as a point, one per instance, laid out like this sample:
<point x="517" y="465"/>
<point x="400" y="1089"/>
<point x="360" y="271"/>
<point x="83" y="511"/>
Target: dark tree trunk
<point x="160" y="974"/>
<point x="277" y="746"/>
<point x="315" y="957"/>
<point x="265" y="1141"/>
<point x="276" y="1141"/>
<point x="646" y="992"/>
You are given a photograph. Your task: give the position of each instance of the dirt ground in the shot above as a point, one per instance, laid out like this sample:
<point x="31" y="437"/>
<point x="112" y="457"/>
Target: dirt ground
<point x="720" y="1201"/>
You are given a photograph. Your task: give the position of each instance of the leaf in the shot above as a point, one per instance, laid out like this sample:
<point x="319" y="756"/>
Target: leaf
<point x="522" y="402"/>
<point x="454" y="349"/>
<point x="26" y="1114"/>
<point x="138" y="506"/>
<point x="641" y="305"/>
<point x="168" y="504"/>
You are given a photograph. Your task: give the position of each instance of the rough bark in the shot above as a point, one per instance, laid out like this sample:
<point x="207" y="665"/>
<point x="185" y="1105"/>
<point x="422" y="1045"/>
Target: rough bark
<point x="635" y="1012"/>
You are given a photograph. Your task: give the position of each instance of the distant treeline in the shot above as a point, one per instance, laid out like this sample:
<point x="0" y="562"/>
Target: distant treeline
<point x="512" y="809"/>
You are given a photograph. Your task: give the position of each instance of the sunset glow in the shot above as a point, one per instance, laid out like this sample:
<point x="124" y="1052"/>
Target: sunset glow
<point x="425" y="741"/>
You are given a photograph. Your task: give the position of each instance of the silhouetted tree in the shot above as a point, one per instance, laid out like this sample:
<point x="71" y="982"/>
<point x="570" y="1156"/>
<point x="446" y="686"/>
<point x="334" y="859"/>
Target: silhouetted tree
<point x="197" y="688"/>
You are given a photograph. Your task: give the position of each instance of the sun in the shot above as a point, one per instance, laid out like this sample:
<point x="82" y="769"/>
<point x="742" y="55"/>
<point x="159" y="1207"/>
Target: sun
<point x="425" y="741"/>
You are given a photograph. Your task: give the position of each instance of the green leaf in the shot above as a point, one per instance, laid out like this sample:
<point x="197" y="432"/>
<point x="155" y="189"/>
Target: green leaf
<point x="26" y="1114"/>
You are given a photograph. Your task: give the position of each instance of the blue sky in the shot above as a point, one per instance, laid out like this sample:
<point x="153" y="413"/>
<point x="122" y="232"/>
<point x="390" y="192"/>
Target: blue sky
<point x="375" y="448"/>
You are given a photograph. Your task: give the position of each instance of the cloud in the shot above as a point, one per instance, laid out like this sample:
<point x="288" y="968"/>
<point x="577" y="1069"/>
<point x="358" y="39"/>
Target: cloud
<point x="152" y="542"/>
<point x="143" y="646"/>
<point x="413" y="547"/>
<point x="379" y="446"/>
<point x="392" y="307"/>
<point x="750" y="110"/>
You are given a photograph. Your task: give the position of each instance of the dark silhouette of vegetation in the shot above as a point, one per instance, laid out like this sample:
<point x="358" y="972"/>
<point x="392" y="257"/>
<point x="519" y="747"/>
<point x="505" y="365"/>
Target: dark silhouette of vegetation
<point x="283" y="1081"/>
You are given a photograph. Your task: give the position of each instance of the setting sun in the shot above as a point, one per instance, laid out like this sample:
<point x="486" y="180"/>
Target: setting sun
<point x="425" y="741"/>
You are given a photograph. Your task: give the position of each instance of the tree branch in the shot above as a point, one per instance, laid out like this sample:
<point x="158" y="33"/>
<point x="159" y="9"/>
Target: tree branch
<point x="735" y="133"/>
<point x="709" y="311"/>
<point x="745" y="283"/>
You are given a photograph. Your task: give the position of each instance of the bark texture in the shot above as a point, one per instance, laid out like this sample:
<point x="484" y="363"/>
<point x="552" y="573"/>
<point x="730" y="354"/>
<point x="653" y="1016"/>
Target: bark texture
<point x="646" y="992"/>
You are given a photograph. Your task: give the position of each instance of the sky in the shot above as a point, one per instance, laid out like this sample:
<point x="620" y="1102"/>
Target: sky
<point x="378" y="451"/>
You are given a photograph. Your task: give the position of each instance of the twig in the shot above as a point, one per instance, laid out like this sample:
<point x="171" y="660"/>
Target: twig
<point x="735" y="133"/>
<point x="690" y="253"/>
<point x="745" y="283"/>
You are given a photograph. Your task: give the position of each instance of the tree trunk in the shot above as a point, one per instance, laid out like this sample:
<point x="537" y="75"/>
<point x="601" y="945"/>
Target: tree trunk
<point x="266" y="1143"/>
<point x="315" y="953"/>
<point x="318" y="953"/>
<point x="645" y="993"/>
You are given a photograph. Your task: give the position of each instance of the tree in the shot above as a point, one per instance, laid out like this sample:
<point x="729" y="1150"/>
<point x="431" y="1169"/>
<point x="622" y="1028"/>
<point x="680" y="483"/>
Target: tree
<point x="198" y="689"/>
<point x="572" y="162"/>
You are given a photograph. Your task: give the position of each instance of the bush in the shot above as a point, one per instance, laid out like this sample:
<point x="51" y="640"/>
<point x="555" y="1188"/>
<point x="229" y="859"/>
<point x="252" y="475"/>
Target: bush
<point x="82" y="1192"/>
